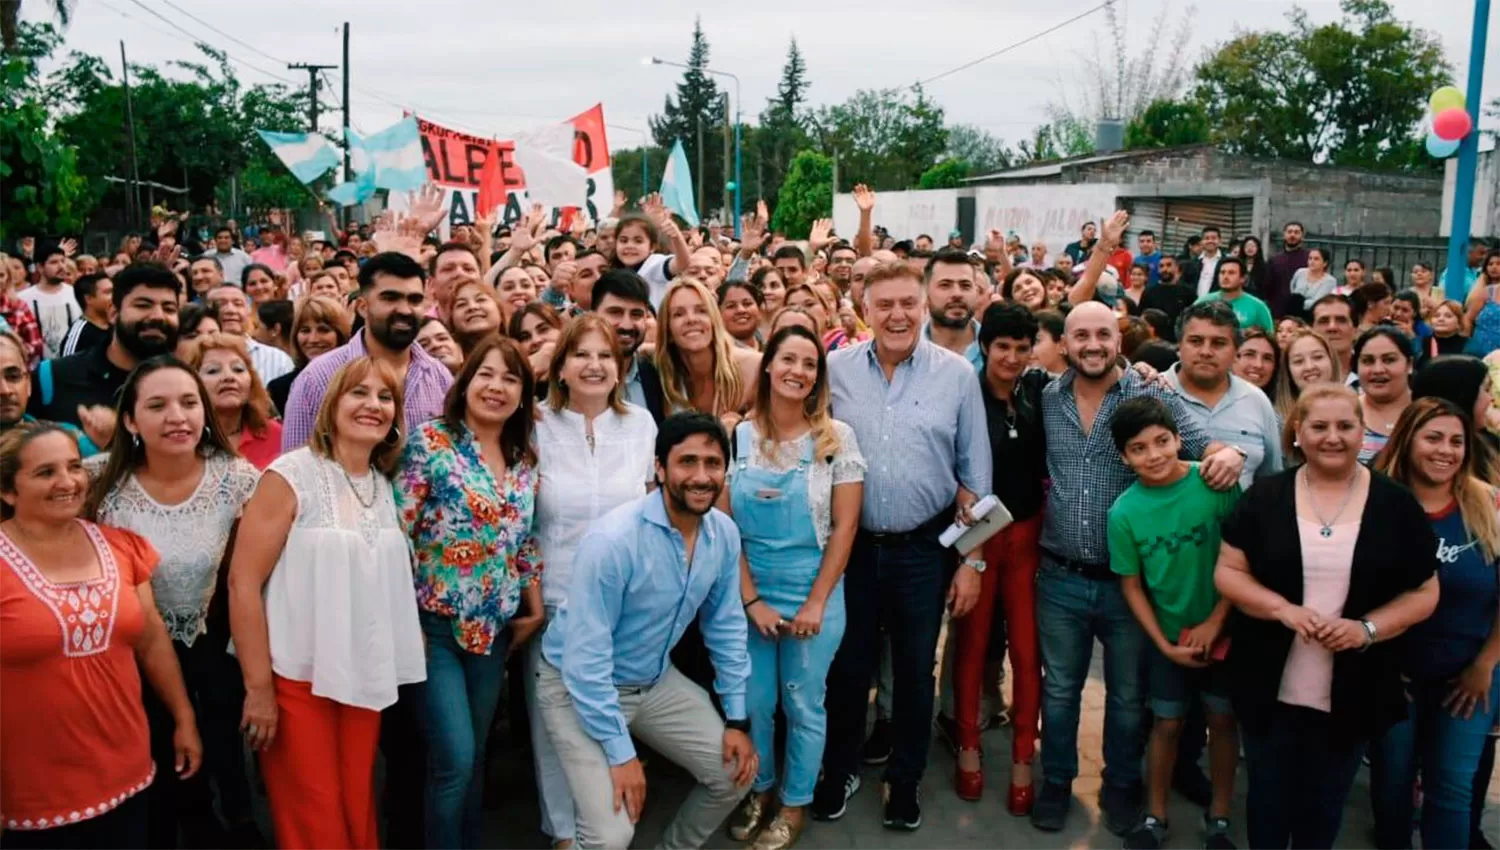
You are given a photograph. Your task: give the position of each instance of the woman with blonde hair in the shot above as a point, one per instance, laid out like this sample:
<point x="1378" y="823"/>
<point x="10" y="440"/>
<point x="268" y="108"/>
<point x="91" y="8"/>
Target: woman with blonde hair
<point x="240" y="402"/>
<point x="1309" y="360"/>
<point x="323" y="615"/>
<point x="321" y="325"/>
<point x="1449" y="661"/>
<point x="701" y="368"/>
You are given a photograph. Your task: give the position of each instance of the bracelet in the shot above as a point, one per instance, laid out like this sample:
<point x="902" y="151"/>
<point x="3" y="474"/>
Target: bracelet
<point x="751" y="602"/>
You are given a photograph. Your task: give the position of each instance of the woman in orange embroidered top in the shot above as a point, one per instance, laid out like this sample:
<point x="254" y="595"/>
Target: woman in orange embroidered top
<point x="72" y="726"/>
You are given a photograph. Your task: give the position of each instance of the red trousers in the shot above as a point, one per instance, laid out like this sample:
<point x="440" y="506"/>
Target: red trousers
<point x="1013" y="557"/>
<point x="320" y="771"/>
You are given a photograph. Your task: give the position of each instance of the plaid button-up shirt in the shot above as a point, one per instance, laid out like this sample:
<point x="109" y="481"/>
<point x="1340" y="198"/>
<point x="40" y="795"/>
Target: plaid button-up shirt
<point x="24" y="323"/>
<point x="1087" y="471"/>
<point x="427" y="383"/>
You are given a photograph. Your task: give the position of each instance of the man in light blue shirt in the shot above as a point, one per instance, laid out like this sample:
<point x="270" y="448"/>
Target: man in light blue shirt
<point x="918" y="414"/>
<point x="643" y="573"/>
<point x="954" y="294"/>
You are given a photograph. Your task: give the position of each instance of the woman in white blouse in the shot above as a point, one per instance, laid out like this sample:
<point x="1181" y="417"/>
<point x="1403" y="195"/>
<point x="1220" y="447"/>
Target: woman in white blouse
<point x="176" y="479"/>
<point x="323" y="614"/>
<point x="596" y="453"/>
<point x="796" y="484"/>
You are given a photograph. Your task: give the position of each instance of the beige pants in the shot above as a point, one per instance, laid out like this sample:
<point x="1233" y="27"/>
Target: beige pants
<point x="676" y="719"/>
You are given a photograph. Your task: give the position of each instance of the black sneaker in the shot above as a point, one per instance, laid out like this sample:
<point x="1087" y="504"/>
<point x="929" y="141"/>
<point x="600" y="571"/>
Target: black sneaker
<point x="903" y="806"/>
<point x="947" y="730"/>
<point x="878" y="746"/>
<point x="1049" y="812"/>
<point x="1121" y="807"/>
<point x="1193" y="785"/>
<point x="1147" y="835"/>
<point x="1216" y="834"/>
<point x="831" y="798"/>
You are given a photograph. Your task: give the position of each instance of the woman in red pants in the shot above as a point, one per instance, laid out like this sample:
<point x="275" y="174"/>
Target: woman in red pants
<point x="1012" y="400"/>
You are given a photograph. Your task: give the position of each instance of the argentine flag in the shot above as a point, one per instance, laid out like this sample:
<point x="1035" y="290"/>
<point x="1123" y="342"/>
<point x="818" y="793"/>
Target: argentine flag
<point x="306" y="155"/>
<point x="393" y="155"/>
<point x="677" y="186"/>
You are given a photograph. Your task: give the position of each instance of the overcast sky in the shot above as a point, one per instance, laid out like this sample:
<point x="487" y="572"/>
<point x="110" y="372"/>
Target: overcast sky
<point x="494" y="68"/>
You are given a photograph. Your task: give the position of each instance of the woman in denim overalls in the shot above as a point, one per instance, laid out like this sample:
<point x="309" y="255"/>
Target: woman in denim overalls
<point x="795" y="492"/>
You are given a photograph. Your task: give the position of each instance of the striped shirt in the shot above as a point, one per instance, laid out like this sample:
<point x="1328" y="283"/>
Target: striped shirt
<point x="427" y="383"/>
<point x="83" y="336"/>
<point x="269" y="361"/>
<point x="923" y="432"/>
<point x="1086" y="469"/>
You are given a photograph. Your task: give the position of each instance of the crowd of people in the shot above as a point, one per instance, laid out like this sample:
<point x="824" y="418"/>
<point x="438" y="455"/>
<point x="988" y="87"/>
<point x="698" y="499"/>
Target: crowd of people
<point x="681" y="492"/>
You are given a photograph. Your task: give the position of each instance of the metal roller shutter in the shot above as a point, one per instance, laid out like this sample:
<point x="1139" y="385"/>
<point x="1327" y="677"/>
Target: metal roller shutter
<point x="1145" y="214"/>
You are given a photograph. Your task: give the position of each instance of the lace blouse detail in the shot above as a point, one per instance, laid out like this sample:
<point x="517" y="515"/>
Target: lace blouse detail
<point x="190" y="535"/>
<point x="846" y="466"/>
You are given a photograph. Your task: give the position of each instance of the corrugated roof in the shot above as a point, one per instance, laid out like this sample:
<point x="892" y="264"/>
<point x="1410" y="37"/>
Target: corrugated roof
<point x="1055" y="167"/>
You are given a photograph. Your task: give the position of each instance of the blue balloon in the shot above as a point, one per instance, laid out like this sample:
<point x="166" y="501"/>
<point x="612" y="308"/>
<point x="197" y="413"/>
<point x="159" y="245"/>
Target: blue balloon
<point x="1441" y="148"/>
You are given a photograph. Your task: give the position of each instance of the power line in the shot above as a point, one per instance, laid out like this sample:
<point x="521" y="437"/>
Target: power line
<point x="238" y="41"/>
<point x="196" y="40"/>
<point x="1010" y="47"/>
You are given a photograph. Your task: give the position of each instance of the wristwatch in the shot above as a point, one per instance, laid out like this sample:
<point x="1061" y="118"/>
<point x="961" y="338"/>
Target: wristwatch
<point x="976" y="564"/>
<point x="738" y="725"/>
<point x="1370" y="632"/>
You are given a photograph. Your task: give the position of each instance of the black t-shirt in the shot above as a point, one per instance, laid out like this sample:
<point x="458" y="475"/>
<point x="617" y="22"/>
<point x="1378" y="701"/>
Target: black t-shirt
<point x="1020" y="462"/>
<point x="84" y="336"/>
<point x="87" y="378"/>
<point x="1170" y="298"/>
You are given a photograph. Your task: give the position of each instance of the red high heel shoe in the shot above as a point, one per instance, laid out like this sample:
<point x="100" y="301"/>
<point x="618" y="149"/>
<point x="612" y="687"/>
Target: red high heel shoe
<point x="968" y="784"/>
<point x="1019" y="801"/>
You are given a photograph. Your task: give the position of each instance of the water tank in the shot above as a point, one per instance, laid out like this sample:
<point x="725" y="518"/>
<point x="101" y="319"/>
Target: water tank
<point x="1109" y="135"/>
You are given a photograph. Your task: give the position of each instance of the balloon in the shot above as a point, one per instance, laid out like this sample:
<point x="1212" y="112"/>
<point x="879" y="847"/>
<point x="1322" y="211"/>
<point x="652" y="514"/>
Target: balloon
<point x="1441" y="148"/>
<point x="1445" y="98"/>
<point x="1452" y="124"/>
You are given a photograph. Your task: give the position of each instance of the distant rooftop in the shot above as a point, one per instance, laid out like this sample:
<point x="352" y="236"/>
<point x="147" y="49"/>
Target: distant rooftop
<point x="1056" y="166"/>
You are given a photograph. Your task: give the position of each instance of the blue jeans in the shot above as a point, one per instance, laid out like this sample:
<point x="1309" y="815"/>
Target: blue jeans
<point x="1446" y="750"/>
<point x="901" y="586"/>
<point x="460" y="698"/>
<point x="795" y="671"/>
<point x="1071" y="611"/>
<point x="1299" y="779"/>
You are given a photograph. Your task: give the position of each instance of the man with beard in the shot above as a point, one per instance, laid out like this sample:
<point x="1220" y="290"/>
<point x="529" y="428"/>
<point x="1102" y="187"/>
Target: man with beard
<point x="1252" y="311"/>
<point x="390" y="302"/>
<point x="953" y="297"/>
<point x="52" y="301"/>
<point x="83" y="389"/>
<point x="643" y="573"/>
<point x="233" y="309"/>
<point x="1078" y="595"/>
<point x="1169" y="295"/>
<point x="624" y="300"/>
<point x="917" y="412"/>
<point x="841" y="259"/>
<point x="1293" y="256"/>
<point x="15" y="392"/>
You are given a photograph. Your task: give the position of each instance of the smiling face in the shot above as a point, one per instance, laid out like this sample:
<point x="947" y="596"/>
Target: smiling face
<point x="365" y="413"/>
<point x="689" y="324"/>
<point x="1284" y="331"/>
<point x="632" y="243"/>
<point x="261" y="287"/>
<point x="226" y="377"/>
<point x="475" y="311"/>
<point x="1308" y="362"/>
<point x="773" y="287"/>
<point x="1384" y="370"/>
<point x="1152" y="454"/>
<point x="1329" y="435"/>
<point x="1007" y="357"/>
<point x="952" y="295"/>
<point x="517" y="289"/>
<point x="536" y="333"/>
<point x="168" y="414"/>
<point x="693" y="475"/>
<point x="741" y="313"/>
<point x="793" y="371"/>
<point x="493" y="394"/>
<point x="893" y="309"/>
<point x="436" y="341"/>
<point x="1437" y="451"/>
<point x="1091" y="340"/>
<point x="205" y="275"/>
<point x="1256" y="362"/>
<point x="390" y="309"/>
<point x="233" y="308"/>
<point x="1028" y="290"/>
<point x="1446" y="320"/>
<point x="590" y="370"/>
<point x="15" y="384"/>
<point x="50" y="480"/>
<point x="316" y="338"/>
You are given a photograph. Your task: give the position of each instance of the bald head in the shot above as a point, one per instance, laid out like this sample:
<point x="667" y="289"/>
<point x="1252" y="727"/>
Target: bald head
<point x="1090" y="313"/>
<point x="884" y="255"/>
<point x="1091" y="340"/>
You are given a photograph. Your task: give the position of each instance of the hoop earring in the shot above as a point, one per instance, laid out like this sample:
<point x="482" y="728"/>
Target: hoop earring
<point x="392" y="438"/>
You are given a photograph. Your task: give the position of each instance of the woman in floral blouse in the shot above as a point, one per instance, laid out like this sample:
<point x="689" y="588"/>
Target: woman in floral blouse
<point x="467" y="488"/>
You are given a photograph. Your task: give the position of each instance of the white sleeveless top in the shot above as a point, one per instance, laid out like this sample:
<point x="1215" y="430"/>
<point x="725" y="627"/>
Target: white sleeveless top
<point x="340" y="607"/>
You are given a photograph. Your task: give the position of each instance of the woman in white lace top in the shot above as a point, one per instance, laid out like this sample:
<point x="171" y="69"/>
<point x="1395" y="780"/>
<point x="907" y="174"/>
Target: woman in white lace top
<point x="323" y="612"/>
<point x="172" y="477"/>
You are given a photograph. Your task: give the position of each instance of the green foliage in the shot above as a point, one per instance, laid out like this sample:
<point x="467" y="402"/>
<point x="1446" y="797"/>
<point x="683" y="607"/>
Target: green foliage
<point x="806" y="196"/>
<point x="1351" y="93"/>
<point x="782" y="131"/>
<point x="884" y="139"/>
<point x="948" y="174"/>
<point x="625" y="165"/>
<point x="41" y="190"/>
<point x="1064" y="138"/>
<point x="1167" y="123"/>
<point x="984" y="153"/>
<point x="699" y="103"/>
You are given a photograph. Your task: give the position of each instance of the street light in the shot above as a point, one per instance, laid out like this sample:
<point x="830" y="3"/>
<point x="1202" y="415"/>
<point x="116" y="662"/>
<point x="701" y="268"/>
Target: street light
<point x="654" y="60"/>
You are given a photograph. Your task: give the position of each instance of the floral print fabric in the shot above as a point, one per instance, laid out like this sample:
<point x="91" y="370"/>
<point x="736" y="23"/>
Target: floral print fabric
<point x="473" y="540"/>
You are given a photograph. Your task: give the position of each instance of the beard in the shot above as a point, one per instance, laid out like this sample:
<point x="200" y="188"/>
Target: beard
<point x="396" y="338"/>
<point x="677" y="493"/>
<point x="943" y="320"/>
<point x="1109" y="365"/>
<point x="630" y="342"/>
<point x="143" y="348"/>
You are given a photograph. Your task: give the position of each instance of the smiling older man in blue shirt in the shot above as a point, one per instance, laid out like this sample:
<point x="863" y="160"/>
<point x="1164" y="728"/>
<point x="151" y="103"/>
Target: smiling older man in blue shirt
<point x="642" y="574"/>
<point x="917" y="411"/>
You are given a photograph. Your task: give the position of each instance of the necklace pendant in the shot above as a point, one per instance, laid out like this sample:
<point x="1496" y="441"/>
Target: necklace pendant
<point x="1326" y="531"/>
<point x="1013" y="434"/>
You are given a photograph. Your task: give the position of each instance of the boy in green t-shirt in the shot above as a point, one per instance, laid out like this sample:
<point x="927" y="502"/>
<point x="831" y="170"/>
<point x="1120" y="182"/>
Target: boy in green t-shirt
<point x="1163" y="543"/>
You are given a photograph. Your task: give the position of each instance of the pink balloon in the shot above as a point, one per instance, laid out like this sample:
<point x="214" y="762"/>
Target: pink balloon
<point x="1452" y="124"/>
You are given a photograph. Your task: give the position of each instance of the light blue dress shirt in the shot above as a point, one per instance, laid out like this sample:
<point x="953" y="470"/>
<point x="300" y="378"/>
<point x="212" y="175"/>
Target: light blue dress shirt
<point x="974" y="354"/>
<point x="632" y="596"/>
<point x="1243" y="418"/>
<point x="634" y="392"/>
<point x="923" y="432"/>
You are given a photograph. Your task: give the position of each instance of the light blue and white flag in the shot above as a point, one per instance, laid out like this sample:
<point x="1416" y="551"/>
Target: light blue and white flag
<point x="394" y="155"/>
<point x="677" y="186"/>
<point x="355" y="191"/>
<point x="306" y="155"/>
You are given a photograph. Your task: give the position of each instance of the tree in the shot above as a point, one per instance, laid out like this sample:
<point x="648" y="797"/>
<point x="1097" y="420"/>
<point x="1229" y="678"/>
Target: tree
<point x="782" y="129"/>
<point x="698" y="102"/>
<point x="41" y="189"/>
<point x="1111" y="83"/>
<point x="885" y="138"/>
<point x="625" y="165"/>
<point x="1167" y="123"/>
<point x="806" y="196"/>
<point x="982" y="151"/>
<point x="948" y="174"/>
<point x="10" y="19"/>
<point x="1352" y="92"/>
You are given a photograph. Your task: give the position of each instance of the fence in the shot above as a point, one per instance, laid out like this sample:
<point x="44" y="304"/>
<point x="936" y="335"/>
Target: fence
<point x="1397" y="253"/>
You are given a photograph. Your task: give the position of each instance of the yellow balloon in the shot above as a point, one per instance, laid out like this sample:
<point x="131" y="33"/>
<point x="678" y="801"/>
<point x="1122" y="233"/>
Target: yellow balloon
<point x="1446" y="97"/>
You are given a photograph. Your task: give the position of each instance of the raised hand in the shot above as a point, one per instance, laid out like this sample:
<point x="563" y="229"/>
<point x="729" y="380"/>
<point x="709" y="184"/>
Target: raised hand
<point x="752" y="233"/>
<point x="821" y="235"/>
<point x="1114" y="228"/>
<point x="69" y="247"/>
<point x="619" y="208"/>
<point x="525" y="237"/>
<point x="864" y="197"/>
<point x="994" y="241"/>
<point x="426" y="206"/>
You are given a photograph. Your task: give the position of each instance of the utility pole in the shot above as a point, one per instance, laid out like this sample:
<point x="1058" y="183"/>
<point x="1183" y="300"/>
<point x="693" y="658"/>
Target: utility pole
<point x="348" y="214"/>
<point x="312" y="89"/>
<point x="698" y="178"/>
<point x="728" y="217"/>
<point x="133" y="190"/>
